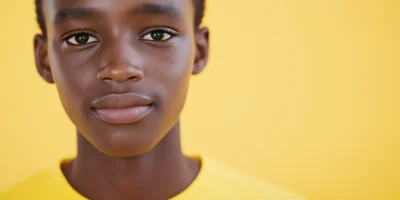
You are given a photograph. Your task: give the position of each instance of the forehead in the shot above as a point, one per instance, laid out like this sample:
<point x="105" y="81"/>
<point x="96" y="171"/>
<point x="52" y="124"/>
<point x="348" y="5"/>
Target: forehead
<point x="181" y="8"/>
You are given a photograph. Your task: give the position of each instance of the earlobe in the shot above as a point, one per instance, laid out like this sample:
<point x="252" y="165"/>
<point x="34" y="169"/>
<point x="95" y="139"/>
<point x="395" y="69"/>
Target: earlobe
<point x="42" y="58"/>
<point x="202" y="50"/>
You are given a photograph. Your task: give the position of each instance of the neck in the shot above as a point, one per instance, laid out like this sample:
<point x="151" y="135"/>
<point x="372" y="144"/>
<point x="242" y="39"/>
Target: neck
<point x="160" y="173"/>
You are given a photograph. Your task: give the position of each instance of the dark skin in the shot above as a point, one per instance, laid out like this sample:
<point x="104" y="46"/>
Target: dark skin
<point x="143" y="47"/>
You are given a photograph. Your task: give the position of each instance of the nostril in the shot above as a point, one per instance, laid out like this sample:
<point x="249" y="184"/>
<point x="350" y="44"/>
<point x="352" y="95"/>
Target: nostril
<point x="107" y="79"/>
<point x="120" y="75"/>
<point x="133" y="78"/>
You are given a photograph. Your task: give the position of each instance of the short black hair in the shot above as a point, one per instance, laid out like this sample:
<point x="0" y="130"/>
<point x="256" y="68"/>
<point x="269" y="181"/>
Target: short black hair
<point x="199" y="14"/>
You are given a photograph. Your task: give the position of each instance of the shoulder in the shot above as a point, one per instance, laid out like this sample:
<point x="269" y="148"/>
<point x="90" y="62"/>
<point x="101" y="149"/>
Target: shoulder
<point x="242" y="185"/>
<point x="44" y="185"/>
<point x="34" y="186"/>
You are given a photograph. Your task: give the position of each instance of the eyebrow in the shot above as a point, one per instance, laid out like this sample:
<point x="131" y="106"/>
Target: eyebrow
<point x="157" y="9"/>
<point x="65" y="15"/>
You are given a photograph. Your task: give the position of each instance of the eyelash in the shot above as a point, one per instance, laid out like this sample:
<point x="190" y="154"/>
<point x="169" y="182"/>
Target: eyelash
<point x="69" y="36"/>
<point x="168" y="31"/>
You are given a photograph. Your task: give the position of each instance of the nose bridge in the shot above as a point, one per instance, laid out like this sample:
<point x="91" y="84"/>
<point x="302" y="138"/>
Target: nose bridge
<point x="120" y="60"/>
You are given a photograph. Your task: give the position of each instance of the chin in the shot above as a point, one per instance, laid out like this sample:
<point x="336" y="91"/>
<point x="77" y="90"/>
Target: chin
<point x="121" y="144"/>
<point x="124" y="153"/>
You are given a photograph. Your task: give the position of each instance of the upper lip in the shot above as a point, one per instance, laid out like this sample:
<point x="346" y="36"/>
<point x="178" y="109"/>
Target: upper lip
<point x="118" y="101"/>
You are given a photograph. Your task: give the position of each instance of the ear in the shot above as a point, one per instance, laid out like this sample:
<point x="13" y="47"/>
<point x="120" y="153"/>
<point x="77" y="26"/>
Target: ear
<point x="42" y="58"/>
<point x="202" y="50"/>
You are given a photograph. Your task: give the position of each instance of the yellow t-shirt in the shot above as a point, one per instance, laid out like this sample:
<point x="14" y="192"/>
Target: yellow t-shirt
<point x="214" y="181"/>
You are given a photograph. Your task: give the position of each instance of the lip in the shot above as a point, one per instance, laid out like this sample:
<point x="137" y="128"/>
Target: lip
<point x="122" y="108"/>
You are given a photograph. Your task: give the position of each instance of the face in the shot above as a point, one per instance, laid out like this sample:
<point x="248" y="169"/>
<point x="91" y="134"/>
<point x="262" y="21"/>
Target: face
<point x="121" y="69"/>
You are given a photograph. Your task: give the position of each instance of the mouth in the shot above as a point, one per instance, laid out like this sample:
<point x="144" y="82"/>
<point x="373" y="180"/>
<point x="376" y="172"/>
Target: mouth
<point x="123" y="115"/>
<point x="122" y="108"/>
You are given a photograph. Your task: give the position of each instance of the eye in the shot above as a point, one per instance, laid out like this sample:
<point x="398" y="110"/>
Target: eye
<point x="82" y="39"/>
<point x="158" y="35"/>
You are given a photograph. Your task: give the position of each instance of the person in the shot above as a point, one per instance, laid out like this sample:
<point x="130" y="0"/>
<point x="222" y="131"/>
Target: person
<point x="122" y="70"/>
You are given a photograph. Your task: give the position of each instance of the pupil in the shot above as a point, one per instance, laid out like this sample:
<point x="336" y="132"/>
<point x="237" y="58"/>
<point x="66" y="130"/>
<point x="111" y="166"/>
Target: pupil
<point x="82" y="38"/>
<point x="157" y="35"/>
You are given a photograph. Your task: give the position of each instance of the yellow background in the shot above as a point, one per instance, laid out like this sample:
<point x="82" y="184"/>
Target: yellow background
<point x="304" y="94"/>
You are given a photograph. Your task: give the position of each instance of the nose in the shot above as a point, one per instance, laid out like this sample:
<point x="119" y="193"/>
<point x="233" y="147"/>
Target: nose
<point x="120" y="64"/>
<point x="120" y="73"/>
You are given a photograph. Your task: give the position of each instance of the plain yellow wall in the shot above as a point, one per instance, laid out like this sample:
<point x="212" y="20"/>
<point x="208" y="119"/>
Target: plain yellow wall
<point x="304" y="94"/>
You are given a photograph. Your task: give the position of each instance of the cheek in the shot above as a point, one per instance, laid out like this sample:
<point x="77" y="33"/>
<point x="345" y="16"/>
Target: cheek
<point x="73" y="77"/>
<point x="72" y="71"/>
<point x="175" y="70"/>
<point x="176" y="81"/>
<point x="172" y="70"/>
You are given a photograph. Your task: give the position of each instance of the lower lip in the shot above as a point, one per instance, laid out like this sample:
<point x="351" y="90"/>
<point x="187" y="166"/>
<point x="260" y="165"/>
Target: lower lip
<point x="123" y="115"/>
